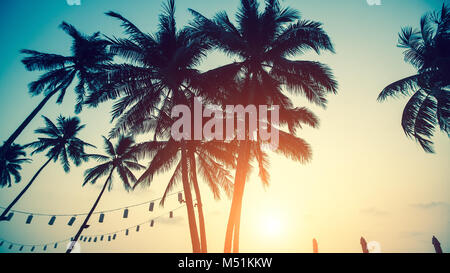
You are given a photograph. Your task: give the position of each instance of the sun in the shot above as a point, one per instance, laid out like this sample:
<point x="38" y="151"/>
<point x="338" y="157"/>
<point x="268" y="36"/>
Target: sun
<point x="271" y="224"/>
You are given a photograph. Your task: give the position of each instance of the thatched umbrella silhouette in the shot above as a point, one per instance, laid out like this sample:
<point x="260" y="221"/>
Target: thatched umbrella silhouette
<point x="437" y="245"/>
<point x="364" y="245"/>
<point x="315" y="246"/>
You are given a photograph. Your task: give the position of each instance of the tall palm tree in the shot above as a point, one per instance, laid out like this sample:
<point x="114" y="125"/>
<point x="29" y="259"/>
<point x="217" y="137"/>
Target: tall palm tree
<point x="61" y="142"/>
<point x="263" y="42"/>
<point x="89" y="58"/>
<point x="159" y="69"/>
<point x="214" y="158"/>
<point x="427" y="49"/>
<point x="10" y="164"/>
<point x="119" y="158"/>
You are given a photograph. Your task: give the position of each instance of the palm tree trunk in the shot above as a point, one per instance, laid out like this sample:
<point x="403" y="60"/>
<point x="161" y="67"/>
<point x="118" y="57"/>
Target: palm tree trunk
<point x="189" y="205"/>
<point x="27" y="121"/>
<point x="233" y="225"/>
<point x="5" y="212"/>
<point x="86" y="220"/>
<point x="201" y="218"/>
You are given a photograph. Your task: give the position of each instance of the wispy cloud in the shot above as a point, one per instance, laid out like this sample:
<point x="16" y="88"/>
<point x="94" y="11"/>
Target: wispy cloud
<point x="374" y="211"/>
<point x="431" y="205"/>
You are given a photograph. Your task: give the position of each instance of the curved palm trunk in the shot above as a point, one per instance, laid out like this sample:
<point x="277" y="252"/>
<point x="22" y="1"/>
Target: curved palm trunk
<point x="201" y="218"/>
<point x="86" y="220"/>
<point x="5" y="212"/>
<point x="189" y="205"/>
<point x="27" y="121"/>
<point x="233" y="226"/>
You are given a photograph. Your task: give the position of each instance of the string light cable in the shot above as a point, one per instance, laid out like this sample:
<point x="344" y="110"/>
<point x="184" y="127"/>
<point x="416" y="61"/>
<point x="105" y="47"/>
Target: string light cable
<point x="88" y="238"/>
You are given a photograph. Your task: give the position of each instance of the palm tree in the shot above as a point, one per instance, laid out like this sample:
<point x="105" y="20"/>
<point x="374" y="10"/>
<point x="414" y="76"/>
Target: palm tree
<point x="62" y="143"/>
<point x="88" y="60"/>
<point x="10" y="164"/>
<point x="160" y="67"/>
<point x="427" y="50"/>
<point x="263" y="43"/>
<point x="119" y="158"/>
<point x="213" y="158"/>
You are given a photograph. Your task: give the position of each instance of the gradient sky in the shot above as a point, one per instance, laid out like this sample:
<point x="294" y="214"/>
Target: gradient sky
<point x="366" y="178"/>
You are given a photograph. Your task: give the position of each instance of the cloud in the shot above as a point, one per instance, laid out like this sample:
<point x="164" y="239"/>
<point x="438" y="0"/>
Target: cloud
<point x="431" y="205"/>
<point x="374" y="212"/>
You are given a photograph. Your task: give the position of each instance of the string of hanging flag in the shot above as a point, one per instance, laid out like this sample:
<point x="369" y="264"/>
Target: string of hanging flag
<point x="104" y="237"/>
<point x="73" y="216"/>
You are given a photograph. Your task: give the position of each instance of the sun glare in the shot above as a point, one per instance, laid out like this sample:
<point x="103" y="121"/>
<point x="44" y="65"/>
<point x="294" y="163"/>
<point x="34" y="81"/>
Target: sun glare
<point x="271" y="224"/>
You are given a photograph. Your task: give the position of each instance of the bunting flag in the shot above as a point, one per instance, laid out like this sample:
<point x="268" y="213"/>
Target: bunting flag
<point x="151" y="206"/>
<point x="29" y="218"/>
<point x="52" y="221"/>
<point x="125" y="213"/>
<point x="71" y="221"/>
<point x="180" y="198"/>
<point x="101" y="218"/>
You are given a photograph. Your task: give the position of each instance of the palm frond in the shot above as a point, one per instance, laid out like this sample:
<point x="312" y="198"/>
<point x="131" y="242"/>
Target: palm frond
<point x="44" y="61"/>
<point x="173" y="182"/>
<point x="293" y="147"/>
<point x="404" y="87"/>
<point x="419" y="119"/>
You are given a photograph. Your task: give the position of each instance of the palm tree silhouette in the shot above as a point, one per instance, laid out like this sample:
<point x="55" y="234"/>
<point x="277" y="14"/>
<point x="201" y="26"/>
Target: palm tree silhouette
<point x="263" y="42"/>
<point x="119" y="158"/>
<point x="214" y="157"/>
<point x="427" y="50"/>
<point x="62" y="143"/>
<point x="160" y="67"/>
<point x="10" y="164"/>
<point x="88" y="60"/>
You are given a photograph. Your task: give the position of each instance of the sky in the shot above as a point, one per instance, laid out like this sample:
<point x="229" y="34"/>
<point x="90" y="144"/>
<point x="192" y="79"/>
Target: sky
<point x="366" y="177"/>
